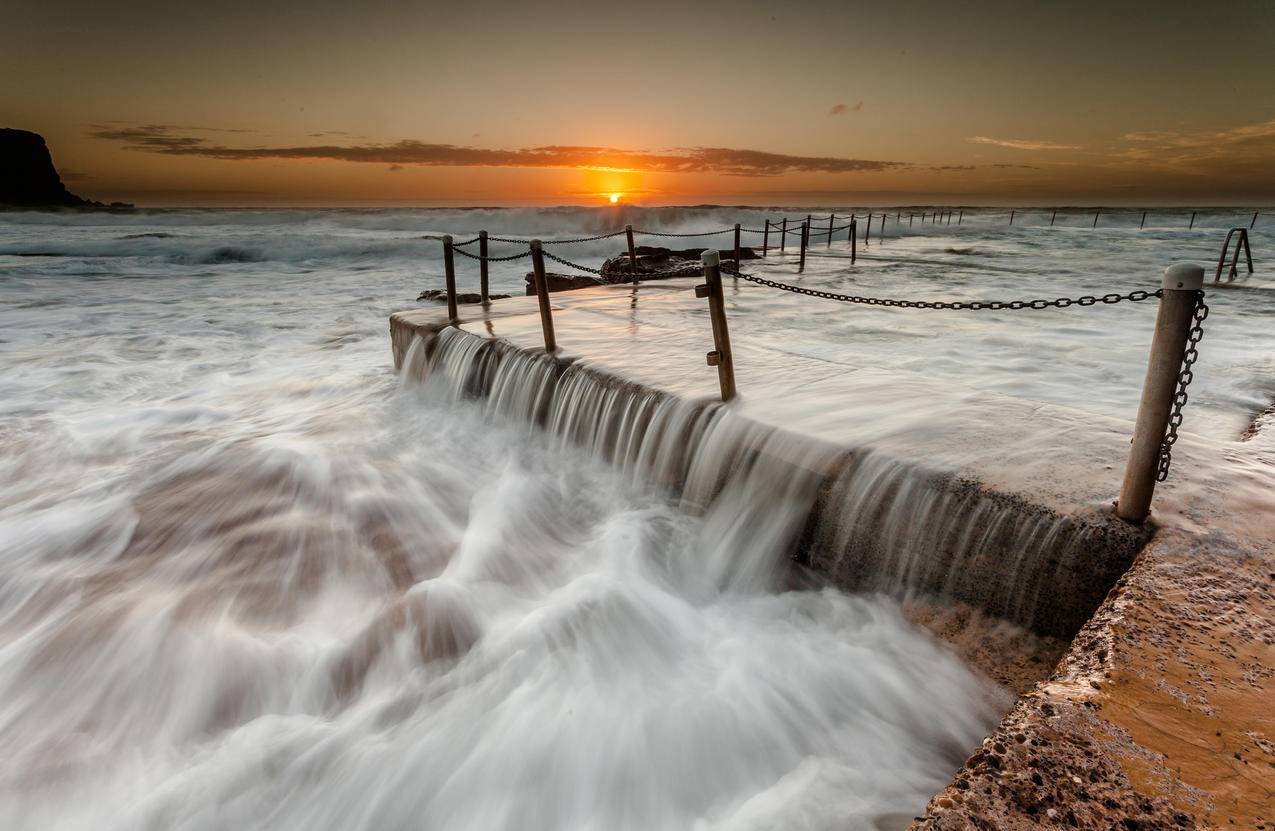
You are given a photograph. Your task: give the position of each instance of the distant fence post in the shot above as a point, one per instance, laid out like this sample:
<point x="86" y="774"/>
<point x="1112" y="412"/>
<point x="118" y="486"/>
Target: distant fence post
<point x="1011" y="217"/>
<point x="961" y="218"/>
<point x="1095" y="217"/>
<point x="867" y="230"/>
<point x="1192" y="225"/>
<point x="628" y="233"/>
<point x="854" y="239"/>
<point x="765" y="239"/>
<point x="483" y="287"/>
<point x="737" y="257"/>
<point x="783" y="235"/>
<point x="1143" y="224"/>
<point x="805" y="239"/>
<point x="720" y="357"/>
<point x="1052" y="218"/>
<point x="542" y="295"/>
<point x="449" y="269"/>
<point x="1254" y="222"/>
<point x="1182" y="285"/>
<point x="831" y="217"/>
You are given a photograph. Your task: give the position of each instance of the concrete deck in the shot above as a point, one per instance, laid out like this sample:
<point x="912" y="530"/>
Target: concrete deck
<point x="1158" y="714"/>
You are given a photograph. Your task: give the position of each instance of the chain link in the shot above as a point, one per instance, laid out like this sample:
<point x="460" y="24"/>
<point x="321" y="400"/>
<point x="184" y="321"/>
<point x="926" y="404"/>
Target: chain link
<point x="465" y="253"/>
<point x="1185" y="376"/>
<point x="694" y="234"/>
<point x="515" y="241"/>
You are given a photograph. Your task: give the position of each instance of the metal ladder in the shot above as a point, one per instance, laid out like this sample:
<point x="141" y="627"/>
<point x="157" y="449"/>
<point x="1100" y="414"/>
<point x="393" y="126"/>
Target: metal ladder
<point x="1241" y="243"/>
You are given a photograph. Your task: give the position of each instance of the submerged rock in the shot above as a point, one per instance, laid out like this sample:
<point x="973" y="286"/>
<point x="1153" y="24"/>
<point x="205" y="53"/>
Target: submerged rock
<point x="562" y="282"/>
<point x="655" y="262"/>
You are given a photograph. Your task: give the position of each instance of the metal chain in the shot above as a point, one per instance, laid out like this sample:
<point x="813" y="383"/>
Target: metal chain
<point x="695" y="234"/>
<point x="467" y="242"/>
<point x="970" y="305"/>
<point x="641" y="275"/>
<point x="1185" y="376"/>
<point x="465" y="253"/>
<point x="607" y="235"/>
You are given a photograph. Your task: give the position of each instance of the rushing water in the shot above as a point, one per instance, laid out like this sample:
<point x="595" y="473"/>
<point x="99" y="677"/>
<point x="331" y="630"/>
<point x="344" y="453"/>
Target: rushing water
<point x="250" y="579"/>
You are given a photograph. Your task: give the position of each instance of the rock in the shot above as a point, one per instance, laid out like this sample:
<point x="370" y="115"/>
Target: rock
<point x="562" y="282"/>
<point x="667" y="262"/>
<point x="440" y="296"/>
<point x="28" y="178"/>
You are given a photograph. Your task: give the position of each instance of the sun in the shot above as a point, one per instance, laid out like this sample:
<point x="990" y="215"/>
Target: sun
<point x="615" y="198"/>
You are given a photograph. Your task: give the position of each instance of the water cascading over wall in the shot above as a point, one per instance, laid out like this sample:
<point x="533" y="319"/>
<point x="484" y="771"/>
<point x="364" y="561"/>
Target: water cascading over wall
<point x="862" y="519"/>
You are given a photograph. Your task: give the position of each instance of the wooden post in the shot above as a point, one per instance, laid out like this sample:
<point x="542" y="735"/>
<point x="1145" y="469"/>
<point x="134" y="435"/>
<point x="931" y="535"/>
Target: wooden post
<point x="1192" y="225"/>
<point x="854" y="239"/>
<point x="737" y="249"/>
<point x="1182" y="283"/>
<point x="720" y="357"/>
<point x="628" y="234"/>
<point x="449" y="269"/>
<point x="1052" y="218"/>
<point x="805" y="238"/>
<point x="1011" y="217"/>
<point x="831" y="217"/>
<point x="542" y="295"/>
<point x="1095" y="217"/>
<point x="482" y="268"/>
<point x="910" y="220"/>
<point x="961" y="218"/>
<point x="765" y="239"/>
<point x="1254" y="222"/>
<point x="783" y="235"/>
<point x="867" y="230"/>
<point x="1143" y="223"/>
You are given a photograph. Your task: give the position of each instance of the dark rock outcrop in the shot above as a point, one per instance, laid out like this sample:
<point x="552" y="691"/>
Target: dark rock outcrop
<point x="28" y="178"/>
<point x="562" y="282"/>
<point x="653" y="263"/>
<point x="463" y="298"/>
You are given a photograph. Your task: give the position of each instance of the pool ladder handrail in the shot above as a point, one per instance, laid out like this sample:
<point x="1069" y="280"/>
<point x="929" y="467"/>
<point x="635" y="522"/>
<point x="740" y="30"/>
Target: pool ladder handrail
<point x="1235" y="260"/>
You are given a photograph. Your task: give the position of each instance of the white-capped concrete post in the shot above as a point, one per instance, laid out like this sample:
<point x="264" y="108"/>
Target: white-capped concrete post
<point x="720" y="357"/>
<point x="1182" y="284"/>
<point x="542" y="295"/>
<point x="449" y="269"/>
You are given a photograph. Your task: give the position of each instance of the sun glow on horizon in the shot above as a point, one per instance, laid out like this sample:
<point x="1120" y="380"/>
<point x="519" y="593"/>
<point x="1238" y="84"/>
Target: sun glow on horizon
<point x="615" y="198"/>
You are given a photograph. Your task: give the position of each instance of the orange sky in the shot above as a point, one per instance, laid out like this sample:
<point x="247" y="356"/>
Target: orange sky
<point x="238" y="103"/>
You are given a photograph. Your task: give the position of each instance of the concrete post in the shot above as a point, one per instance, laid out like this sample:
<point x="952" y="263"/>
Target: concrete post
<point x="628" y="233"/>
<point x="720" y="357"/>
<point x="1181" y="284"/>
<point x="449" y="269"/>
<point x="483" y="288"/>
<point x="542" y="295"/>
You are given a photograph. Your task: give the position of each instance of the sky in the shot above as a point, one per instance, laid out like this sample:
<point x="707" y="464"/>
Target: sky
<point x="496" y="103"/>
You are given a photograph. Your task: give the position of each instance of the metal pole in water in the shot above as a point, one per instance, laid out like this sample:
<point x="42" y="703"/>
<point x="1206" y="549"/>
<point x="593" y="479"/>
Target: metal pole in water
<point x="1095" y="217"/>
<point x="1192" y="225"/>
<point x="737" y="260"/>
<point x="1143" y="224"/>
<point x="854" y="239"/>
<point x="482" y="268"/>
<point x="765" y="238"/>
<point x="867" y="230"/>
<point x="783" y="235"/>
<point x="1011" y="217"/>
<point x="449" y="269"/>
<point x="628" y="233"/>
<point x="720" y="357"/>
<point x="1254" y="222"/>
<point x="909" y="220"/>
<point x="1052" y="218"/>
<point x="542" y="295"/>
<point x="961" y="218"/>
<point x="1182" y="285"/>
<point x="831" y="217"/>
<point x="805" y="238"/>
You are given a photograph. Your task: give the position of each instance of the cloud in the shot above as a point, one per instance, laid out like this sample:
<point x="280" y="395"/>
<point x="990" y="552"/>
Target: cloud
<point x="1181" y="139"/>
<point x="1017" y="166"/>
<point x="946" y="167"/>
<point x="842" y="109"/>
<point x="166" y="140"/>
<point x="1020" y="144"/>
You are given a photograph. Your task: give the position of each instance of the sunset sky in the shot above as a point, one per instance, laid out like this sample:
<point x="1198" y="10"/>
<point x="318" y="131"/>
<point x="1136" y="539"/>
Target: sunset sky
<point x="242" y="103"/>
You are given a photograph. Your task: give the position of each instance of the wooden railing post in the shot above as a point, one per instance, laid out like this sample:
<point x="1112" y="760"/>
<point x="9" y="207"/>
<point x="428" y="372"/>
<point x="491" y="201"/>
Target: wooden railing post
<point x="1182" y="284"/>
<point x="628" y="233"/>
<point x="867" y="230"/>
<point x="961" y="218"/>
<point x="805" y="239"/>
<point x="1095" y="217"/>
<point x="783" y="235"/>
<point x="1011" y="217"/>
<point x="737" y="252"/>
<point x="765" y="239"/>
<point x="720" y="357"/>
<point x="909" y="220"/>
<point x="1052" y="218"/>
<point x="1192" y="225"/>
<point x="1254" y="222"/>
<point x="483" y="287"/>
<point x="854" y="239"/>
<point x="542" y="295"/>
<point x="831" y="217"/>
<point x="449" y="269"/>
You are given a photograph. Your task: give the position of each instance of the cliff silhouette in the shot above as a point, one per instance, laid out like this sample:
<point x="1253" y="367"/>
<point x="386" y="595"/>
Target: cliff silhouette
<point x="28" y="178"/>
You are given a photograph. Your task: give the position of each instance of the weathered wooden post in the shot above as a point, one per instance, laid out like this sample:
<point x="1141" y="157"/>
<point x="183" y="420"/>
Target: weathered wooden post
<point x="1095" y="217"/>
<point x="765" y="239"/>
<point x="909" y="220"/>
<point x="831" y="217"/>
<point x="961" y="218"/>
<point x="482" y="268"/>
<point x="449" y="269"/>
<point x="1192" y="225"/>
<point x="628" y="234"/>
<point x="805" y="238"/>
<point x="1143" y="223"/>
<point x="783" y="235"/>
<point x="1182" y="285"/>
<point x="542" y="295"/>
<point x="867" y="230"/>
<point x="720" y="357"/>
<point x="854" y="239"/>
<point x="737" y="260"/>
<point x="1011" y="217"/>
<point x="1052" y="218"/>
<point x="1254" y="222"/>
